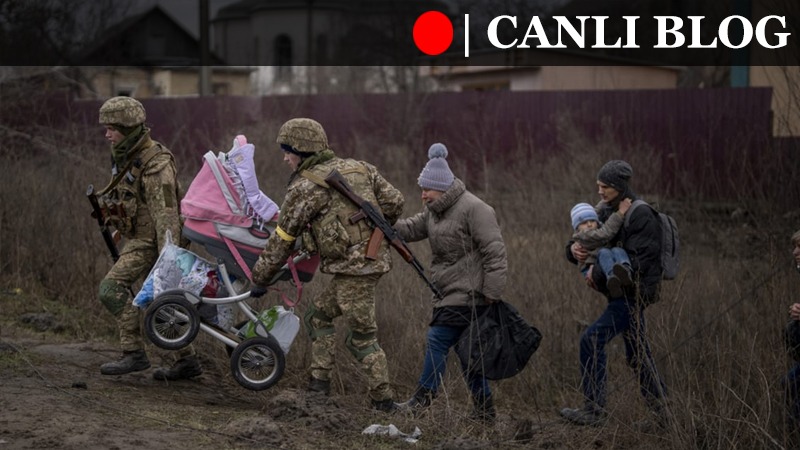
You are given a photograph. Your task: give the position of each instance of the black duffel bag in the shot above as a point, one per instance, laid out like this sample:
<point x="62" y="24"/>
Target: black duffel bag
<point x="498" y="343"/>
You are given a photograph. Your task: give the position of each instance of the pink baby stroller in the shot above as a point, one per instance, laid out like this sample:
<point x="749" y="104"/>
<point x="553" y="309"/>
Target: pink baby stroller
<point x="225" y="212"/>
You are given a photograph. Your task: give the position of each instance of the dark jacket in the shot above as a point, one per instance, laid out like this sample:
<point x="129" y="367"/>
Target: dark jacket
<point x="641" y="239"/>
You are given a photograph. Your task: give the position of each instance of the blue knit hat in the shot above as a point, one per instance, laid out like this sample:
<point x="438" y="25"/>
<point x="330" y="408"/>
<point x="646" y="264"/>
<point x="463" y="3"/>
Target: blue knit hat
<point x="581" y="213"/>
<point x="436" y="175"/>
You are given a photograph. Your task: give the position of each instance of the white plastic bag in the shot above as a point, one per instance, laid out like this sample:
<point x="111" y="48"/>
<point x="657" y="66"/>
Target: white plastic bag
<point x="176" y="267"/>
<point x="392" y="431"/>
<point x="225" y="316"/>
<point x="281" y="323"/>
<point x="285" y="328"/>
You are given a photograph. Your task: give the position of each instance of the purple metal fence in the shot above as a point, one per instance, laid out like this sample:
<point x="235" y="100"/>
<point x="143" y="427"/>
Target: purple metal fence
<point x="697" y="132"/>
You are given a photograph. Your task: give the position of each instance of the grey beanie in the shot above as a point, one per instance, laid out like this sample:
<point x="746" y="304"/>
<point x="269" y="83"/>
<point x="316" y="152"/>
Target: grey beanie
<point x="436" y="175"/>
<point x="616" y="173"/>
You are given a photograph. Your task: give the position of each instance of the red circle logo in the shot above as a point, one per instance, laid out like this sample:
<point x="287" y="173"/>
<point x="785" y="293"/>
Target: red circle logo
<point x="433" y="33"/>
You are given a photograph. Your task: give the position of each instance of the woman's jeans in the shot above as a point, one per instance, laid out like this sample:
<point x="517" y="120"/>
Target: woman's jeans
<point x="440" y="339"/>
<point x="627" y="319"/>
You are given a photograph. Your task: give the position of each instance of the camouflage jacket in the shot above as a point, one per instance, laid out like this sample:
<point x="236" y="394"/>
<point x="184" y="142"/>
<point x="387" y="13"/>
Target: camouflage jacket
<point x="148" y="195"/>
<point x="319" y="214"/>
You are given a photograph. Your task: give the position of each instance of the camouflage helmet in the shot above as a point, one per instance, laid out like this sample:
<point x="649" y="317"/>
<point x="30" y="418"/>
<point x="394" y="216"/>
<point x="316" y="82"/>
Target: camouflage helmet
<point x="304" y="135"/>
<point x="125" y="111"/>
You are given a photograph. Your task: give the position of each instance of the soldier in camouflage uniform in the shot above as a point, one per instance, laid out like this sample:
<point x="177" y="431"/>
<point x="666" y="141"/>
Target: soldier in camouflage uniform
<point x="321" y="216"/>
<point x="141" y="202"/>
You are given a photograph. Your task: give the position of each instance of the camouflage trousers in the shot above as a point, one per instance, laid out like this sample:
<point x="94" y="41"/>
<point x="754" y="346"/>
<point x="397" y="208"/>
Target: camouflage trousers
<point x="354" y="298"/>
<point x="135" y="262"/>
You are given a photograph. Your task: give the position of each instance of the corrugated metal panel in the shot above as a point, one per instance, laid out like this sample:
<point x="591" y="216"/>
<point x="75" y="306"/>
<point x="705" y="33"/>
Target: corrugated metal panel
<point x="701" y="134"/>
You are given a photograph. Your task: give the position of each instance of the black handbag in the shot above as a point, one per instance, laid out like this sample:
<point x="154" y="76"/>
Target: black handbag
<point x="498" y="343"/>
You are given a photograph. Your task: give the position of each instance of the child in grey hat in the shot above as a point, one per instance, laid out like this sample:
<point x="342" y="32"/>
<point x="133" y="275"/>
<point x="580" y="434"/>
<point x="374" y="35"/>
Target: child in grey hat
<point x="594" y="236"/>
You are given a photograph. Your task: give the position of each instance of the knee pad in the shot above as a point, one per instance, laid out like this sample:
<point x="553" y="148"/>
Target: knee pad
<point x="361" y="352"/>
<point x="114" y="296"/>
<point x="314" y="313"/>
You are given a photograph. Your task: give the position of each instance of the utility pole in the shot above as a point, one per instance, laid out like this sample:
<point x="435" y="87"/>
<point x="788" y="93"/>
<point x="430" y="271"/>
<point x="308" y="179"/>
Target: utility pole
<point x="309" y="45"/>
<point x="204" y="87"/>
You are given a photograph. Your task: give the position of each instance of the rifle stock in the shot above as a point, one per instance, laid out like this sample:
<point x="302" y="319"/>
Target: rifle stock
<point x="381" y="227"/>
<point x="98" y="214"/>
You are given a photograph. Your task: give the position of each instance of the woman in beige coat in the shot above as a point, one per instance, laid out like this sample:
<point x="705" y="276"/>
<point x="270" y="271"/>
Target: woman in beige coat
<point x="469" y="267"/>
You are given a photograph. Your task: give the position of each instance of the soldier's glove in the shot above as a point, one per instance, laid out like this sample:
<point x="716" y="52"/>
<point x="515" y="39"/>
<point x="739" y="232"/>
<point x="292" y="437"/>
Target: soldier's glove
<point x="258" y="291"/>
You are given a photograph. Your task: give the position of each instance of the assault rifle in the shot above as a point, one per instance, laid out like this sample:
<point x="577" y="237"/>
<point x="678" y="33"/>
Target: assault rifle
<point x="98" y="214"/>
<point x="381" y="228"/>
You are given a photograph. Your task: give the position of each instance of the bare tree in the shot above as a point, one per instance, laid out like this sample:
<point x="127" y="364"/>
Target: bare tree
<point x="53" y="32"/>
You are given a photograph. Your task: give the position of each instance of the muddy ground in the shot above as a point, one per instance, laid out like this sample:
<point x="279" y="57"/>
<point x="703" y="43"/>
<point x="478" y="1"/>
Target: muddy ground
<point x="52" y="395"/>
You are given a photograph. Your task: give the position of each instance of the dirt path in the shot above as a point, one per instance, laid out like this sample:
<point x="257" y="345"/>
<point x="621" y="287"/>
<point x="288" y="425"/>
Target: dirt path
<point x="52" y="396"/>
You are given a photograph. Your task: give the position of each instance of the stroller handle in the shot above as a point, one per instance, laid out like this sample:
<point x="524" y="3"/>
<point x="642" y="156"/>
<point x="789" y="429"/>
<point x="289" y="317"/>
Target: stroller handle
<point x="301" y="256"/>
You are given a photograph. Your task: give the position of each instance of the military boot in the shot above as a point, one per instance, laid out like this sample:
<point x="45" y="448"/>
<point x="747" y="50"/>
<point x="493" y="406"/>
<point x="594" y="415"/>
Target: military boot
<point x="483" y="410"/>
<point x="129" y="362"/>
<point x="320" y="386"/>
<point x="183" y="369"/>
<point x="388" y="405"/>
<point x="421" y="400"/>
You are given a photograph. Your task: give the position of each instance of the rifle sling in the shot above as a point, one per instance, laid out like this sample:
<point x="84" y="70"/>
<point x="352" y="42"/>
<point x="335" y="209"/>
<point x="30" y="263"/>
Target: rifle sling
<point x="320" y="180"/>
<point x="115" y="181"/>
<point x="314" y="178"/>
<point x="134" y="166"/>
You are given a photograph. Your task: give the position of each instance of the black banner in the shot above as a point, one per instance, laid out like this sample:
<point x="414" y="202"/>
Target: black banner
<point x="400" y="33"/>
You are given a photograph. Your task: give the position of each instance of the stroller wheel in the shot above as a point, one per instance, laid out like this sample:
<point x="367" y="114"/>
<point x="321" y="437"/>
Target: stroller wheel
<point x="171" y="322"/>
<point x="258" y="363"/>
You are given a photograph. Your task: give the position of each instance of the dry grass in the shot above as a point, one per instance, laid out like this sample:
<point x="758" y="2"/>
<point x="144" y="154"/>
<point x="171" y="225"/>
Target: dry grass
<point x="716" y="333"/>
